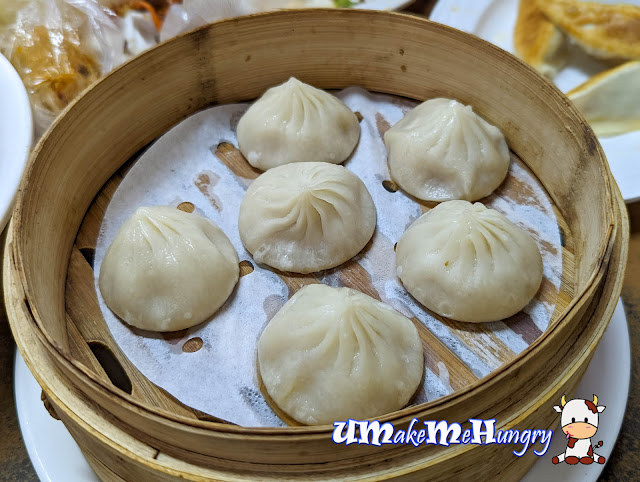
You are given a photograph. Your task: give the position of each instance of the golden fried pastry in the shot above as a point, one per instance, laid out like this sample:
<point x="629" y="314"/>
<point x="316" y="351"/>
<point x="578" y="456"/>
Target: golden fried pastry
<point x="604" y="31"/>
<point x="610" y="101"/>
<point x="538" y="41"/>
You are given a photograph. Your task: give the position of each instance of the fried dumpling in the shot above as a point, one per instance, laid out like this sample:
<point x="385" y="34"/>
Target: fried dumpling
<point x="442" y="150"/>
<point x="335" y="353"/>
<point x="538" y="41"/>
<point x="306" y="217"/>
<point x="295" y="122"/>
<point x="469" y="263"/>
<point x="604" y="31"/>
<point x="610" y="101"/>
<point x="167" y="270"/>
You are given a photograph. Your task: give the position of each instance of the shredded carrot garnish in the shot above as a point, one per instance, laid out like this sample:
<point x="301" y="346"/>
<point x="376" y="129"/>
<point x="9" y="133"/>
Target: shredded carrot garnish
<point x="138" y="4"/>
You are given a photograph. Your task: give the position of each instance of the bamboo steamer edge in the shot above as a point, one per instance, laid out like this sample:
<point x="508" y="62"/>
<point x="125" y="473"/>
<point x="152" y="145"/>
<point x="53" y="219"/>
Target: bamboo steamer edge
<point x="116" y="455"/>
<point x="191" y="436"/>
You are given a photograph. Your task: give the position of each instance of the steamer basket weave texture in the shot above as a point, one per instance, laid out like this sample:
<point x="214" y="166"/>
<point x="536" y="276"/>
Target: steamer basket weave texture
<point x="129" y="428"/>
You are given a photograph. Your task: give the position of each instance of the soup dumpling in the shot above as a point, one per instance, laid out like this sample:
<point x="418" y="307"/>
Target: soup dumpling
<point x="442" y="150"/>
<point x="295" y="122"/>
<point x="469" y="263"/>
<point x="167" y="270"/>
<point x="335" y="353"/>
<point x="306" y="217"/>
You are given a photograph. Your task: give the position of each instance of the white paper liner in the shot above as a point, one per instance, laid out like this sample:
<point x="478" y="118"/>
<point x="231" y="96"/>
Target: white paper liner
<point x="221" y="378"/>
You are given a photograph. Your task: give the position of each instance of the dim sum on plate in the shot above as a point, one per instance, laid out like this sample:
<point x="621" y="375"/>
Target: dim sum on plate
<point x="610" y="101"/>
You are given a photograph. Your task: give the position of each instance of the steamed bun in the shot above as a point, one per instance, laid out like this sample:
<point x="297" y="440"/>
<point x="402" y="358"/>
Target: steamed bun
<point x="167" y="270"/>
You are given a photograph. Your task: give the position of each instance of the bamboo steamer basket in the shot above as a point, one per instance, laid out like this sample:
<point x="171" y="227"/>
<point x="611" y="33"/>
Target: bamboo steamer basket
<point x="236" y="60"/>
<point x="115" y="455"/>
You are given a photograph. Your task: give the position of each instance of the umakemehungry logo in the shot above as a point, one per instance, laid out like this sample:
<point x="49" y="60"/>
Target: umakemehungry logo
<point x="579" y="422"/>
<point x="482" y="432"/>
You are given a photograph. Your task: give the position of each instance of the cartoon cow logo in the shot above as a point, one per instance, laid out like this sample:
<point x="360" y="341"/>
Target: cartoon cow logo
<point x="579" y="423"/>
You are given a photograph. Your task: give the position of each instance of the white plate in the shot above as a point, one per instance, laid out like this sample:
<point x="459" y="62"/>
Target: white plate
<point x="56" y="457"/>
<point x="494" y="21"/>
<point x="608" y="376"/>
<point x="16" y="135"/>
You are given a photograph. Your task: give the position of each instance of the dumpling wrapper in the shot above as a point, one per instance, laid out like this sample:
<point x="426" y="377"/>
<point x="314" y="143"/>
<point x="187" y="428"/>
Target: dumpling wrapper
<point x="295" y="122"/>
<point x="604" y="31"/>
<point x="610" y="101"/>
<point x="538" y="41"/>
<point x="469" y="263"/>
<point x="442" y="150"/>
<point x="336" y="354"/>
<point x="168" y="270"/>
<point x="306" y="217"/>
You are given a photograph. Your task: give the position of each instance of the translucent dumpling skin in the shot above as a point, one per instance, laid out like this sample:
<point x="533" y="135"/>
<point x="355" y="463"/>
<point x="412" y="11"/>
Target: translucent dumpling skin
<point x="335" y="353"/>
<point x="469" y="263"/>
<point x="442" y="150"/>
<point x="167" y="270"/>
<point x="295" y="122"/>
<point x="306" y="217"/>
